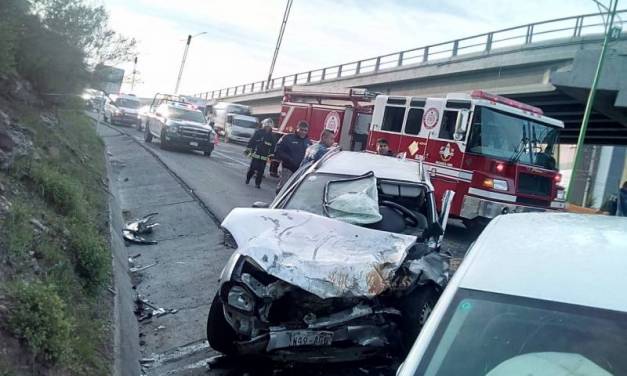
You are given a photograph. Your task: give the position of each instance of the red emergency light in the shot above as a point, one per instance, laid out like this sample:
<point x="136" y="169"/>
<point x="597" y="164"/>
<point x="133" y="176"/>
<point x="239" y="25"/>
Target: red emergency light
<point x="506" y="101"/>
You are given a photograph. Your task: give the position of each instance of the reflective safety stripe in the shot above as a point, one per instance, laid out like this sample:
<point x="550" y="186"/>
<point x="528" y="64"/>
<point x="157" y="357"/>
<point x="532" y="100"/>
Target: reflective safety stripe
<point x="257" y="156"/>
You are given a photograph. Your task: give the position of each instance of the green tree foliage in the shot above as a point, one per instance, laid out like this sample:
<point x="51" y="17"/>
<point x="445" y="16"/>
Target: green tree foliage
<point x="11" y="17"/>
<point x="53" y="43"/>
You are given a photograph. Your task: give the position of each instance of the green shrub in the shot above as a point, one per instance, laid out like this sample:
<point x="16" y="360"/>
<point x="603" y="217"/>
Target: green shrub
<point x="60" y="190"/>
<point x="38" y="318"/>
<point x="92" y="258"/>
<point x="17" y="230"/>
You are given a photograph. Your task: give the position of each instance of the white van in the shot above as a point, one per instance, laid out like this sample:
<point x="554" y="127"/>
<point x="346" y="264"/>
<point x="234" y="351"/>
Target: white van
<point x="240" y="127"/>
<point x="221" y="110"/>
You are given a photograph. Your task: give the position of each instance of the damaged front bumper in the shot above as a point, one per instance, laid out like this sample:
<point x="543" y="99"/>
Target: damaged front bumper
<point x="353" y="334"/>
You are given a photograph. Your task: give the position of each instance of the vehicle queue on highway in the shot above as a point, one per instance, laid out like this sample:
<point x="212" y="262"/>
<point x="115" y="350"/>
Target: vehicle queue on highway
<point x="346" y="262"/>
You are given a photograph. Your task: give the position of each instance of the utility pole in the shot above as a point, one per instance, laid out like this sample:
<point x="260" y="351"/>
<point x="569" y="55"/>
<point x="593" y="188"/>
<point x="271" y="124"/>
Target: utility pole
<point x="591" y="96"/>
<point x="286" y="14"/>
<point x="178" y="80"/>
<point x="134" y="73"/>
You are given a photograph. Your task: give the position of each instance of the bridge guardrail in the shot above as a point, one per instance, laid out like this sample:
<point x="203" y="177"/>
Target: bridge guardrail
<point x="569" y="27"/>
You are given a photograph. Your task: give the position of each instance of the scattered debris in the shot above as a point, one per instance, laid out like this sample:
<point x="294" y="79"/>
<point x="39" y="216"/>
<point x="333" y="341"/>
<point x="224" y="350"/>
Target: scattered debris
<point x="142" y="268"/>
<point x="160" y="327"/>
<point x="132" y="230"/>
<point x="147" y="360"/>
<point x="144" y="310"/>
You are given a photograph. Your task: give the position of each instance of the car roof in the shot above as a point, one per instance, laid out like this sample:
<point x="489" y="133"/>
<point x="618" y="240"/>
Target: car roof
<point x="570" y="258"/>
<point x="360" y="163"/>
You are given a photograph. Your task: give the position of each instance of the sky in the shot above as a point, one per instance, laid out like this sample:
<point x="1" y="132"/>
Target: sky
<point x="241" y="34"/>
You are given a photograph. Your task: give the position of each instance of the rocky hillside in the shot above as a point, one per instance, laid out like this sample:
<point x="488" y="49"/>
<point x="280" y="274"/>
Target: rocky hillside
<point x="54" y="258"/>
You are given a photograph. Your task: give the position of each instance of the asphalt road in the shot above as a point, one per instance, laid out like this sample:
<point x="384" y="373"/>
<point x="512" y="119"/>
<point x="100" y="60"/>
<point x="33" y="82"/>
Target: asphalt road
<point x="188" y="257"/>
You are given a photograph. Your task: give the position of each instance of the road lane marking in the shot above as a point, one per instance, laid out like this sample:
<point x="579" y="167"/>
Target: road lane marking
<point x="230" y="158"/>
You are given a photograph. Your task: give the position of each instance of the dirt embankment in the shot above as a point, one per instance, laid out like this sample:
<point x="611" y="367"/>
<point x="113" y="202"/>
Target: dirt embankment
<point x="55" y="307"/>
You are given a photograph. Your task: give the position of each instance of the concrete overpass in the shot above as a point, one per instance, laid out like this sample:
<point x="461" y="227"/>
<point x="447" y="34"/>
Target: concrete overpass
<point x="548" y="64"/>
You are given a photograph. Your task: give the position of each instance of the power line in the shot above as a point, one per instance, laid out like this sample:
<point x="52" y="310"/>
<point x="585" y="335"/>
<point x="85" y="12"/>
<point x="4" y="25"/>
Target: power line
<point x="279" y="40"/>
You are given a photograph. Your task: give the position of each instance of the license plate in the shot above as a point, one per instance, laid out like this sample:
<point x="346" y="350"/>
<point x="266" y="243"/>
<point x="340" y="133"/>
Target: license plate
<point x="193" y="143"/>
<point x="310" y="338"/>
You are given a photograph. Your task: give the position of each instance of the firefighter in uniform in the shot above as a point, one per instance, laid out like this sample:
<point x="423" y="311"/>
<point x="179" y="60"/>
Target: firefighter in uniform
<point x="260" y="148"/>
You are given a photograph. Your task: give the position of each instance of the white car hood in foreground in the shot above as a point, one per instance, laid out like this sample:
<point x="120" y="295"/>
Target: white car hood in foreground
<point x="323" y="256"/>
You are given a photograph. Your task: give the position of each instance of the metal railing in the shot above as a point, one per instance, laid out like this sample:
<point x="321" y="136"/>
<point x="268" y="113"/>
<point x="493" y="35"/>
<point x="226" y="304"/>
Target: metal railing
<point x="571" y="28"/>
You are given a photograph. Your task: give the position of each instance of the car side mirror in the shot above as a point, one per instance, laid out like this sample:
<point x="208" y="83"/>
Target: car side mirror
<point x="212" y="123"/>
<point x="229" y="119"/>
<point x="261" y="205"/>
<point x="158" y="114"/>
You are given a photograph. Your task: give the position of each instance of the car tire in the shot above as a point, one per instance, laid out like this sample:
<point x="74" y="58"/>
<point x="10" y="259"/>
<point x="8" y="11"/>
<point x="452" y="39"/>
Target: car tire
<point x="416" y="308"/>
<point x="147" y="134"/>
<point x="209" y="150"/>
<point x="220" y="335"/>
<point x="163" y="144"/>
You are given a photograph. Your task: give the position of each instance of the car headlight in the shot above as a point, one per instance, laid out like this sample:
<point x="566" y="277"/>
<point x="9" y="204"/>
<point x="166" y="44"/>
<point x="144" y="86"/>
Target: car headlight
<point x="238" y="297"/>
<point x="561" y="195"/>
<point x="173" y="128"/>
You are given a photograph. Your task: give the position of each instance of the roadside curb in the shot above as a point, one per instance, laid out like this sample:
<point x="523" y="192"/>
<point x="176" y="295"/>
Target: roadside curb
<point x="180" y="180"/>
<point x="126" y="329"/>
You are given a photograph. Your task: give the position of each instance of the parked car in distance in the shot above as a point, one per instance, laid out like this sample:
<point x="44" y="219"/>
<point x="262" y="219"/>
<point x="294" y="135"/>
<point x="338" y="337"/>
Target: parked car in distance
<point x="537" y="294"/>
<point x="180" y="125"/>
<point x="240" y="128"/>
<point x="345" y="264"/>
<point x="122" y="110"/>
<point x="143" y="114"/>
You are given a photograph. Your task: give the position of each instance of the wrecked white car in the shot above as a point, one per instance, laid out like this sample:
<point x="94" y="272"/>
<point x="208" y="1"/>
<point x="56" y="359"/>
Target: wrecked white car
<point x="343" y="265"/>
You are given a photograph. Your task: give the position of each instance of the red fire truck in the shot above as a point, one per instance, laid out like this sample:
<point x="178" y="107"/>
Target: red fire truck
<point x="348" y="114"/>
<point x="497" y="154"/>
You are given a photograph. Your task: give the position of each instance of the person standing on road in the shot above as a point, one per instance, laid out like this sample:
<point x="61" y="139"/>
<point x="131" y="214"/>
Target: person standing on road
<point x="383" y="148"/>
<point x="318" y="150"/>
<point x="291" y="150"/>
<point x="617" y="204"/>
<point x="260" y="149"/>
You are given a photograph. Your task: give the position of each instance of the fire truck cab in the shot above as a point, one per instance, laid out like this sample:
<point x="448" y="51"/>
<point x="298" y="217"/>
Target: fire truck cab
<point x="348" y="114"/>
<point x="497" y="154"/>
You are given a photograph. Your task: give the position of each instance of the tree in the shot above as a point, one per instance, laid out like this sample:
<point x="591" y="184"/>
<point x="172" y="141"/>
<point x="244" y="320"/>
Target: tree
<point x="12" y="14"/>
<point x="87" y="27"/>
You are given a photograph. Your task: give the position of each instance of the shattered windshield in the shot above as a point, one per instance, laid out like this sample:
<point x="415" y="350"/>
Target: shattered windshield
<point x="511" y="335"/>
<point x="518" y="139"/>
<point x="309" y="194"/>
<point x="353" y="200"/>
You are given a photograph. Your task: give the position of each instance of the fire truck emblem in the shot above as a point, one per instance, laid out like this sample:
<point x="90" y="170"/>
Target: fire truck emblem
<point x="332" y="121"/>
<point x="430" y="118"/>
<point x="446" y="153"/>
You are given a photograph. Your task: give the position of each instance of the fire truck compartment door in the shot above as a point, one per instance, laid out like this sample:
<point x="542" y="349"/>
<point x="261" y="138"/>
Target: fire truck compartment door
<point x="345" y="130"/>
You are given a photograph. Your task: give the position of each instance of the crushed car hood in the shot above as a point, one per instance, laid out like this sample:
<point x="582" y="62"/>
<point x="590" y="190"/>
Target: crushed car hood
<point x="323" y="256"/>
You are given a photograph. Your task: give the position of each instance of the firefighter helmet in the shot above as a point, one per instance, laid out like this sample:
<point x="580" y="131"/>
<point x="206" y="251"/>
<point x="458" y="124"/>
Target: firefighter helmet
<point x="267" y="122"/>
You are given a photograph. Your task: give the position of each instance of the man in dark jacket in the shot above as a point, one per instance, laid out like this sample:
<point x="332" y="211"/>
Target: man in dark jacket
<point x="260" y="149"/>
<point x="290" y="151"/>
<point x="617" y="204"/>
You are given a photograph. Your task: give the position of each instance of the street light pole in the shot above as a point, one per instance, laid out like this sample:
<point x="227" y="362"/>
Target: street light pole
<point x="178" y="80"/>
<point x="591" y="96"/>
<point x="134" y="73"/>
